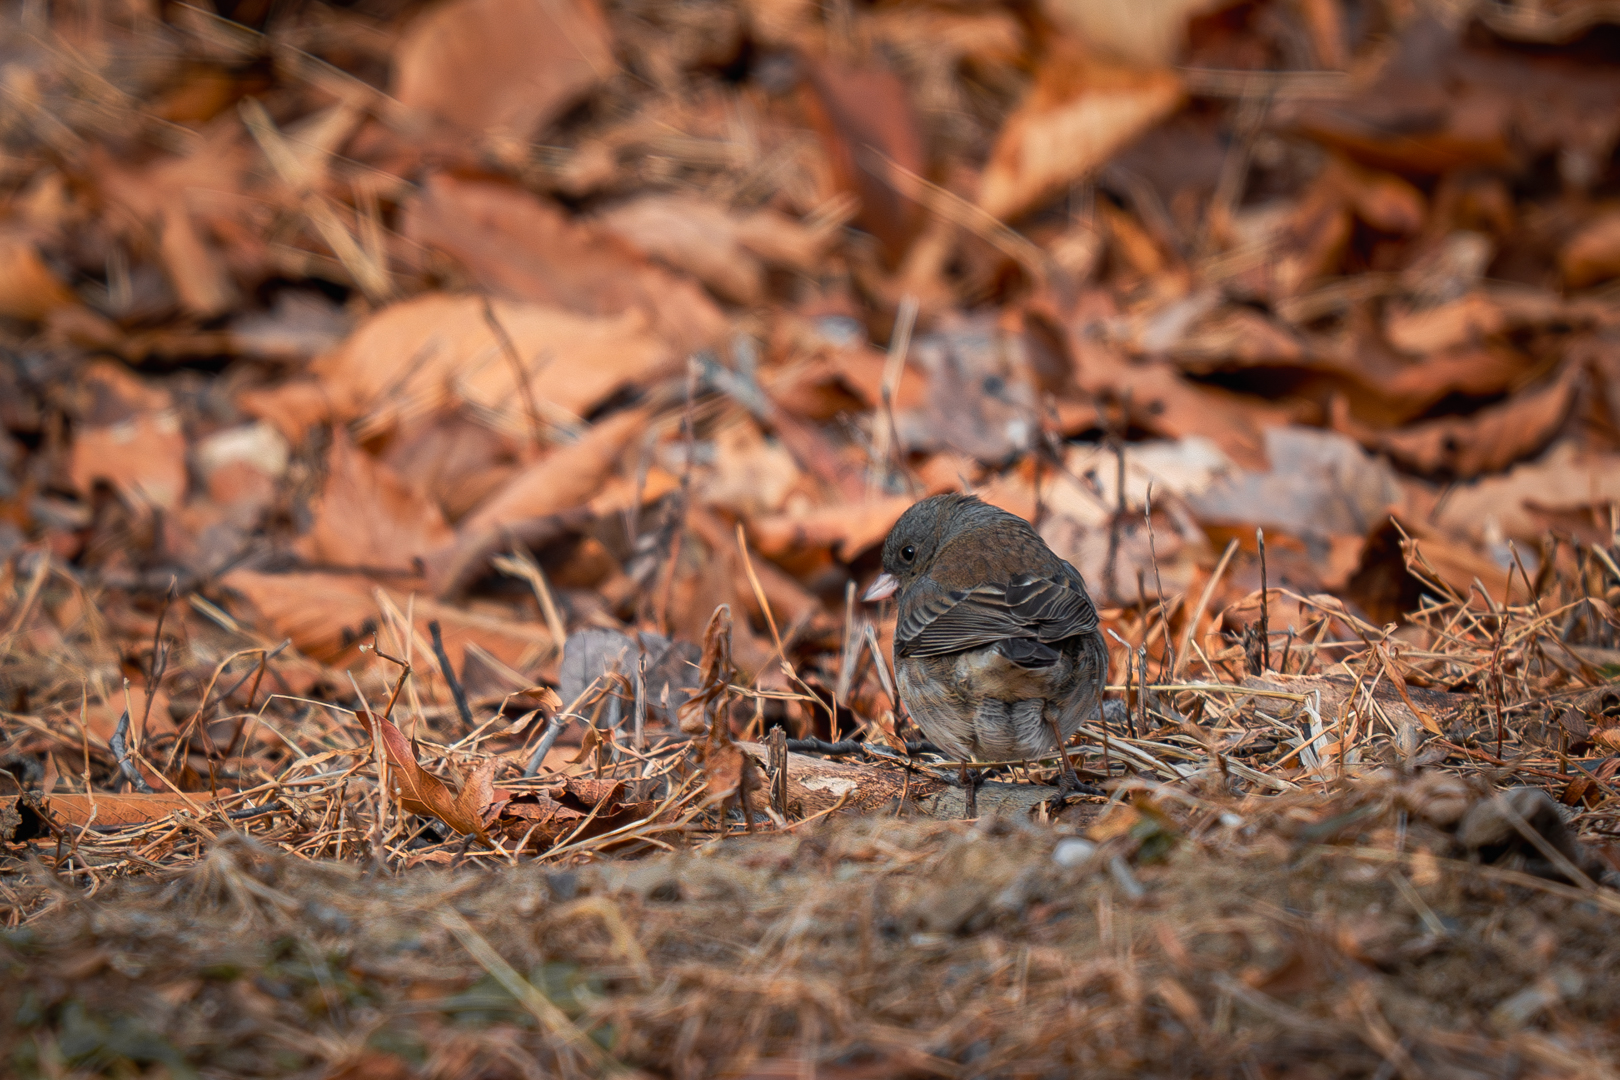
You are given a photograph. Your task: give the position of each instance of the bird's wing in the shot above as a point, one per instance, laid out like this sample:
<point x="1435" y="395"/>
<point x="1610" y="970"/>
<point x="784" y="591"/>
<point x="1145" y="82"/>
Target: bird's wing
<point x="1056" y="606"/>
<point x="1035" y="608"/>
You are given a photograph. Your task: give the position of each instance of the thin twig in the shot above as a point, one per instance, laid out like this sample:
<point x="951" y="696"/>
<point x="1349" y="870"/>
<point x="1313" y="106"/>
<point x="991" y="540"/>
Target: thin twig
<point x="1187" y="632"/>
<point x="1265" y="613"/>
<point x="450" y="679"/>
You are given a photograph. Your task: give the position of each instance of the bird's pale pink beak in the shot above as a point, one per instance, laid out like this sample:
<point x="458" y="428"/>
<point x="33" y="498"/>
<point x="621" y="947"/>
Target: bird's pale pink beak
<point x="884" y="587"/>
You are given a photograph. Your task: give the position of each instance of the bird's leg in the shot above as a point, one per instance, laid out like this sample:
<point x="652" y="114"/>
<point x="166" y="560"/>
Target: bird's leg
<point x="1068" y="781"/>
<point x="971" y="779"/>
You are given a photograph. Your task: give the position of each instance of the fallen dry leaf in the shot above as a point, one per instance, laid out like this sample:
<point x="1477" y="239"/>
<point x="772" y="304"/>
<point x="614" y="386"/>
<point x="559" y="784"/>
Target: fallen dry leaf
<point x="751" y="475"/>
<point x="240" y="468"/>
<point x="169" y="199"/>
<point x="438" y="351"/>
<point x="1320" y="484"/>
<point x="1474" y="370"/>
<point x="327" y="614"/>
<point x="716" y="671"/>
<point x="1088" y="485"/>
<point x="323" y="613"/>
<point x="865" y="118"/>
<point x="131" y="438"/>
<point x="108" y="810"/>
<point x="1527" y="498"/>
<point x="502" y="67"/>
<point x="1164" y="402"/>
<point x="848" y="529"/>
<point x="1308" y="245"/>
<point x="300" y="326"/>
<point x="1234" y="336"/>
<point x="521" y="247"/>
<point x="983" y="37"/>
<point x="201" y="279"/>
<point x="1079" y="528"/>
<point x="790" y="602"/>
<point x="1414" y="121"/>
<point x="1381" y="199"/>
<point x="1446" y="326"/>
<point x="1307" y="240"/>
<point x="366" y="516"/>
<point x="28" y="289"/>
<point x="293" y="407"/>
<point x="839" y="380"/>
<point x="693" y="235"/>
<point x="457" y="460"/>
<point x="1486" y="441"/>
<point x="1147" y="34"/>
<point x="1455" y="564"/>
<point x="726" y="251"/>
<point x="420" y="792"/>
<point x="561" y="480"/>
<point x="979" y="400"/>
<point x="1079" y="112"/>
<point x="579" y="807"/>
<point x="728" y="772"/>
<point x="1593" y="253"/>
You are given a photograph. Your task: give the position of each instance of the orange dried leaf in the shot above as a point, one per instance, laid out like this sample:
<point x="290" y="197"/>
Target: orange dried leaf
<point x="863" y="115"/>
<point x="724" y="766"/>
<point x="1445" y="326"/>
<point x="1563" y="480"/>
<point x="561" y="481"/>
<point x="1078" y="114"/>
<point x="438" y="351"/>
<point x="1486" y="441"/>
<point x="695" y="235"/>
<point x="544" y="818"/>
<point x="715" y="671"/>
<point x="504" y="66"/>
<point x="367" y="516"/>
<point x="326" y="613"/>
<point x="420" y="792"/>
<point x="1603" y="609"/>
<point x="28" y="289"/>
<point x="131" y="439"/>
<point x="105" y="809"/>
<point x="476" y="801"/>
<point x="1593" y="253"/>
<point x="589" y="743"/>
<point x="196" y="267"/>
<point x="1144" y="33"/>
<point x="518" y="246"/>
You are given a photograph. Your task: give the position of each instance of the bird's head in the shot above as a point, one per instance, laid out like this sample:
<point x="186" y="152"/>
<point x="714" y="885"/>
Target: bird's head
<point x="916" y="540"/>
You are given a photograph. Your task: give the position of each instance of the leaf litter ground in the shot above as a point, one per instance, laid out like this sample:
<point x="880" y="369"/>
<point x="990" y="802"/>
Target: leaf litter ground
<point x="434" y="492"/>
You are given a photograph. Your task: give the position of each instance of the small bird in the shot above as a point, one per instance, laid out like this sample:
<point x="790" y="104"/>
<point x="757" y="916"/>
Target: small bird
<point x="997" y="649"/>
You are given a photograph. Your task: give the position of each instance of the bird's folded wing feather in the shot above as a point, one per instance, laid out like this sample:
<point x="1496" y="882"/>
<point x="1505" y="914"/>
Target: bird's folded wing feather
<point x="1046" y="609"/>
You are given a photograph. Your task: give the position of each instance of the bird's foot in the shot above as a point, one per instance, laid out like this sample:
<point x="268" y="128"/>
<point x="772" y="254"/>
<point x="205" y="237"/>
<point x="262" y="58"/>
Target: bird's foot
<point x="971" y="780"/>
<point x="1070" y="787"/>
<point x="1069" y="782"/>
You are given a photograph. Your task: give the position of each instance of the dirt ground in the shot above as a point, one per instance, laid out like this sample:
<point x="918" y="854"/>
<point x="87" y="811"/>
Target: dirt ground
<point x="1199" y="939"/>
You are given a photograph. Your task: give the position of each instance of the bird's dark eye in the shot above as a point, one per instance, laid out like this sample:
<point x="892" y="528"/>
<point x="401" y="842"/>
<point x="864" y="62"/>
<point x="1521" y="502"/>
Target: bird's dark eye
<point x="908" y="552"/>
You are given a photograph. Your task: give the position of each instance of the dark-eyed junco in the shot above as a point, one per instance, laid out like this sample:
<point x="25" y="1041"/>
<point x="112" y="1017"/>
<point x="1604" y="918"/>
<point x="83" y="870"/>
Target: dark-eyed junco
<point x="997" y="649"/>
